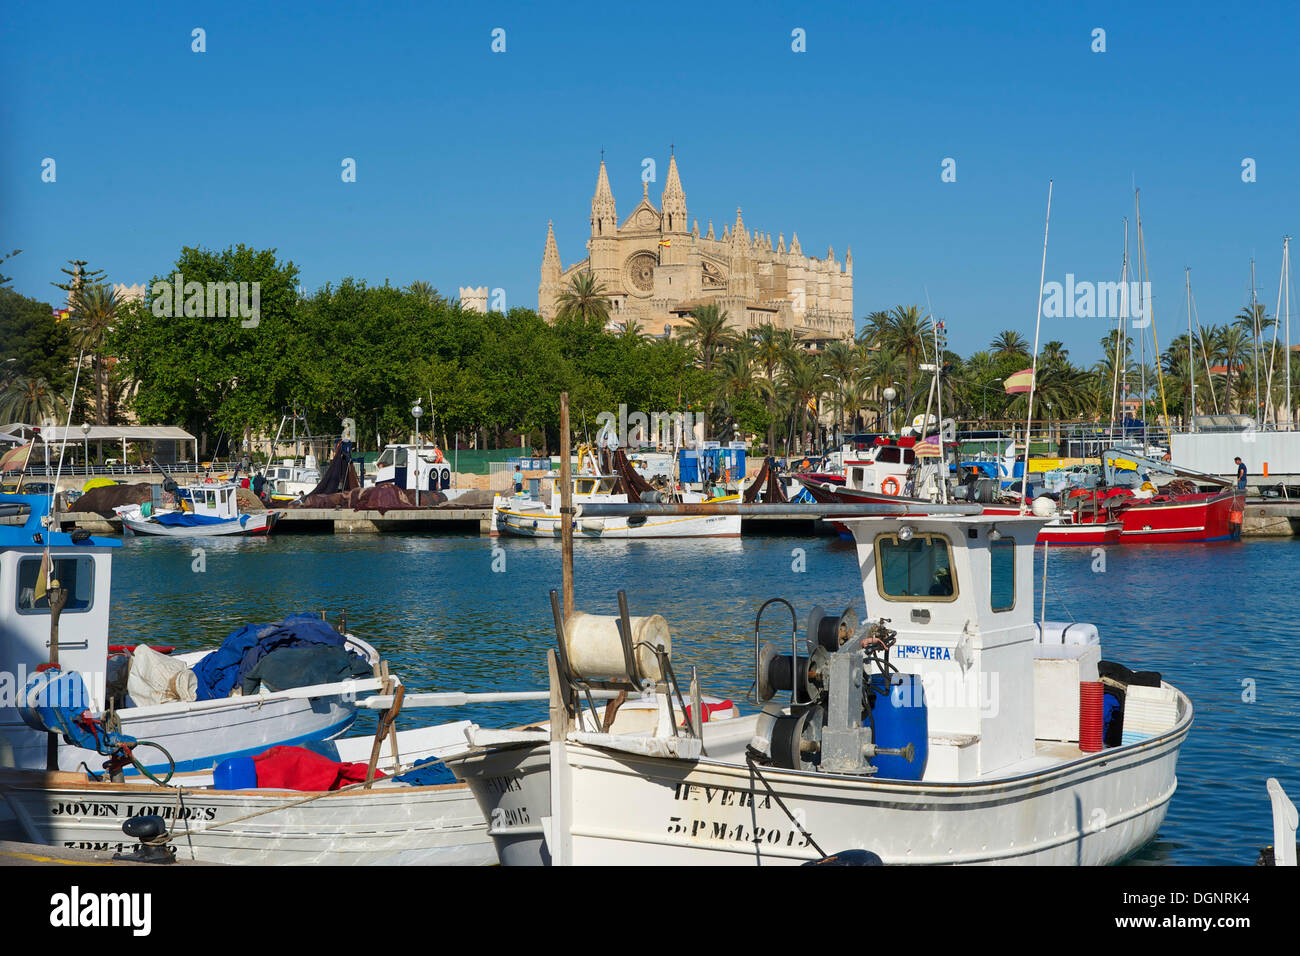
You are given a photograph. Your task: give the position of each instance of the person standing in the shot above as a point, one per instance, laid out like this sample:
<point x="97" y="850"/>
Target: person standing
<point x="519" y="480"/>
<point x="1241" y="474"/>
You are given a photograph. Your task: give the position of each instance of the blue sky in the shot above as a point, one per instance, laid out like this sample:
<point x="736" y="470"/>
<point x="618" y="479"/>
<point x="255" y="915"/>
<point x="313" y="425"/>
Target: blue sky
<point x="464" y="154"/>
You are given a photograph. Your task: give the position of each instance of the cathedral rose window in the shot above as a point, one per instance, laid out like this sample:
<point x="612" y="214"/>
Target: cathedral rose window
<point x="640" y="272"/>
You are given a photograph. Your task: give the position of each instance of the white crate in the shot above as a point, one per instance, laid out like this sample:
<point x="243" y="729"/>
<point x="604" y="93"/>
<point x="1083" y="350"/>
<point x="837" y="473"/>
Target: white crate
<point x="1056" y="691"/>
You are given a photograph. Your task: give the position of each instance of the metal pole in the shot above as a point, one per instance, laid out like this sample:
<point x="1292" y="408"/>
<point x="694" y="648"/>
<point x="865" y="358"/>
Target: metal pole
<point x="566" y="508"/>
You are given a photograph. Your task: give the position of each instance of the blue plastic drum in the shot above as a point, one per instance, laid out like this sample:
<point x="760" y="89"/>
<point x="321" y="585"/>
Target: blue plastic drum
<point x="898" y="719"/>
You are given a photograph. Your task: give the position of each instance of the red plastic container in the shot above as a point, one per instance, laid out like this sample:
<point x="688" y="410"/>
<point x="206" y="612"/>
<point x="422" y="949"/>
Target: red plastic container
<point x="1090" y="700"/>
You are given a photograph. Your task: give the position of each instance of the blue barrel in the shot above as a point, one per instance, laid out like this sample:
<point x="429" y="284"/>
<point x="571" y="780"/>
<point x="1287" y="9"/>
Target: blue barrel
<point x="898" y="719"/>
<point x="235" y="773"/>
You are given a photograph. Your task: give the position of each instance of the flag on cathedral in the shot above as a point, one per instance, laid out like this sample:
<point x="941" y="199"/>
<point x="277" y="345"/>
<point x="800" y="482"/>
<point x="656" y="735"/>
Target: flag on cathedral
<point x="1019" y="382"/>
<point x="665" y="242"/>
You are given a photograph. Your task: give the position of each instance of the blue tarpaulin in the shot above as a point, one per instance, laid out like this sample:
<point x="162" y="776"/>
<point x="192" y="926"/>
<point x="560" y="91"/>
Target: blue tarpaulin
<point x="187" y="519"/>
<point x="220" y="671"/>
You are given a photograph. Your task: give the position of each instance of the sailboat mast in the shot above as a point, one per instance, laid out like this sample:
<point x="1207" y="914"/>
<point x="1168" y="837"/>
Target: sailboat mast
<point x="1119" y="333"/>
<point x="1033" y="375"/>
<point x="1286" y="291"/>
<point x="1191" y="363"/>
<point x="1255" y="335"/>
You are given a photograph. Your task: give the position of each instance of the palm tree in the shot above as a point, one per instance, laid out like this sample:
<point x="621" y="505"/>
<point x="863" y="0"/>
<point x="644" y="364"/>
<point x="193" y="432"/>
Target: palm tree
<point x="908" y="335"/>
<point x="841" y="362"/>
<point x="802" y="387"/>
<point x="425" y="292"/>
<point x="630" y="331"/>
<point x="875" y="330"/>
<point x="584" y="299"/>
<point x="1009" y="344"/>
<point x="94" y="313"/>
<point x="772" y="345"/>
<point x="706" y="330"/>
<point x="738" y="377"/>
<point x="31" y="400"/>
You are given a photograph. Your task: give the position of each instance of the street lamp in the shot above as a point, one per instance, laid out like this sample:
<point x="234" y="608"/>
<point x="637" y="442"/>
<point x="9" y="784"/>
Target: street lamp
<point x="889" y="394"/>
<point x="85" y="438"/>
<point x="416" y="412"/>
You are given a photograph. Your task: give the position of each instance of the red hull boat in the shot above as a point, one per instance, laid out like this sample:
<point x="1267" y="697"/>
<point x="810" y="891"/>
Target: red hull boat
<point x="1106" y="518"/>
<point x="1202" y="516"/>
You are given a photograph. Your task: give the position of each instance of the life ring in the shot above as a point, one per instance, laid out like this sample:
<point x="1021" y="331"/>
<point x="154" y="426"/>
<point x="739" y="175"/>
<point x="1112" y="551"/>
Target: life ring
<point x="890" y="486"/>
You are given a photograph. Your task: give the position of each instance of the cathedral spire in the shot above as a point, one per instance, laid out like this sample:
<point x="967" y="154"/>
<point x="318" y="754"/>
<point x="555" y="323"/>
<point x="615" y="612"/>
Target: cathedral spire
<point x="673" y="200"/>
<point x="795" y="249"/>
<point x="604" y="216"/>
<point x="551" y="268"/>
<point x="709" y="234"/>
<point x="780" y="243"/>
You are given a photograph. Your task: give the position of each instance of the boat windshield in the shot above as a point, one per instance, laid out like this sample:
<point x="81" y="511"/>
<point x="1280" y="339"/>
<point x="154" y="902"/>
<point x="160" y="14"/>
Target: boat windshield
<point x="918" y="569"/>
<point x="386" y="459"/>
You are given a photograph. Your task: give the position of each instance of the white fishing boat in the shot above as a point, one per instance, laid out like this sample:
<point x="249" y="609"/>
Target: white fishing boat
<point x="213" y="509"/>
<point x="290" y="481"/>
<point x="196" y="733"/>
<point x="386" y="824"/>
<point x="537" y="515"/>
<point x="948" y="728"/>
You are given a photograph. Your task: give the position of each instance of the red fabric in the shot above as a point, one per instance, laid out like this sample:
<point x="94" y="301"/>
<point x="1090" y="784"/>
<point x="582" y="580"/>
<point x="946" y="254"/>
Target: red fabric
<point x="296" y="768"/>
<point x="707" y="710"/>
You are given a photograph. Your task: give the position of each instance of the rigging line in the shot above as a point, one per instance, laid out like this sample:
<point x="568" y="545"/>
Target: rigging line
<point x="1151" y="307"/>
<point x="63" y="447"/>
<point x="1033" y="375"/>
<point x="1272" y="360"/>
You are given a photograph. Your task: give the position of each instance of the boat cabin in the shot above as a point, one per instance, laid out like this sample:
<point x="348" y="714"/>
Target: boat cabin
<point x="215" y="500"/>
<point x="412" y="467"/>
<point x="84" y="566"/>
<point x="959" y="592"/>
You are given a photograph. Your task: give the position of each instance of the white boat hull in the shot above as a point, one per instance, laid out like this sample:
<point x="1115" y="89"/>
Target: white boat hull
<point x="1094" y="809"/>
<point x="389" y="824"/>
<point x="541" y="523"/>
<point x="253" y="523"/>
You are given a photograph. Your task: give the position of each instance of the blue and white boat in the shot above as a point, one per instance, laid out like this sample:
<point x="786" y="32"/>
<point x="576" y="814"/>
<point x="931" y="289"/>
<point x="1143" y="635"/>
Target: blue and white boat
<point x="213" y="510"/>
<point x="197" y="734"/>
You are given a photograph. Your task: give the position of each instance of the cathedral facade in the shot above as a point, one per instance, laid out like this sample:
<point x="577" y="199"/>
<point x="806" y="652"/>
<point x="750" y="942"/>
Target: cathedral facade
<point x="655" y="268"/>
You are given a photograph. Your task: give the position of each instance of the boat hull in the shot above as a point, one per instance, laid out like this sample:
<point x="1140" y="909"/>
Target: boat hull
<point x="543" y="524"/>
<point x="387" y="825"/>
<point x="242" y="726"/>
<point x="1094" y="809"/>
<point x="255" y="523"/>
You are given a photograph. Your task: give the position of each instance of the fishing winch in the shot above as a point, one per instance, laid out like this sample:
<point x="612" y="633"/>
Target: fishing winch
<point x="828" y="727"/>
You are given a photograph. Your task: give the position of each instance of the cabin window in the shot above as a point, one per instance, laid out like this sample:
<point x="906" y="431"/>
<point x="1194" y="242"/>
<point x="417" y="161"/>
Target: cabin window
<point x="1002" y="574"/>
<point x="386" y="459"/>
<point x="586" y="487"/>
<point x="888" y="454"/>
<point x="401" y="458"/>
<point x="857" y="477"/>
<point x="918" y="569"/>
<point x="76" y="574"/>
<point x="909" y="457"/>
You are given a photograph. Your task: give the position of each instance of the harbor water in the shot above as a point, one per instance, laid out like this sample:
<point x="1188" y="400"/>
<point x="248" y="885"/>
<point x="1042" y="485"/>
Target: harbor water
<point x="471" y="613"/>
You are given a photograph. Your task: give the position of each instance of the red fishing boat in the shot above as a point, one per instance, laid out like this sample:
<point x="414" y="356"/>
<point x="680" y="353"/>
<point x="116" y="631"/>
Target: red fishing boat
<point x="1163" y="518"/>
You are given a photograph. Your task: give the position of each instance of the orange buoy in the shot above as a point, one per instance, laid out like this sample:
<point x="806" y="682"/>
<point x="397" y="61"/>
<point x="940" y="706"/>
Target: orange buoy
<point x="890" y="485"/>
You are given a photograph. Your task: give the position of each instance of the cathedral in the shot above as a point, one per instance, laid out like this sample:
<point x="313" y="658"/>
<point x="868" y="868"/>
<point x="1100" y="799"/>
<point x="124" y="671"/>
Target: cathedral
<point x="655" y="269"/>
